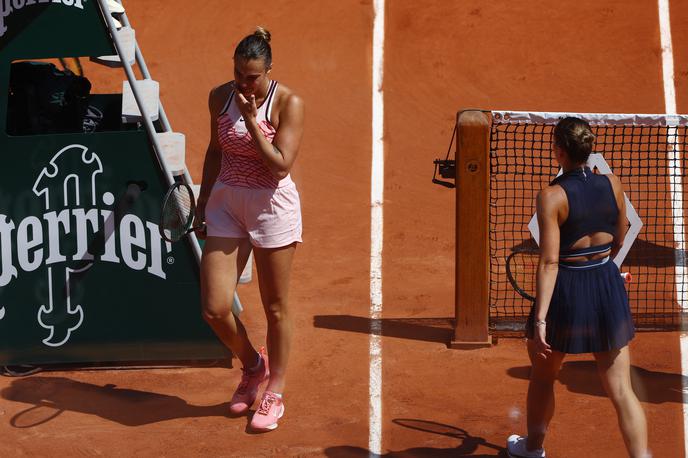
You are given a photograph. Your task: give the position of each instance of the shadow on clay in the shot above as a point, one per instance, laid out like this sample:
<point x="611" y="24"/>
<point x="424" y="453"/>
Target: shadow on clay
<point x="51" y="396"/>
<point x="581" y="377"/>
<point x="425" y="329"/>
<point x="466" y="445"/>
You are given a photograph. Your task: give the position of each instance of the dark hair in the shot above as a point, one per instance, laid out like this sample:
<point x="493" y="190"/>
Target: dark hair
<point x="255" y="46"/>
<point x="574" y="136"/>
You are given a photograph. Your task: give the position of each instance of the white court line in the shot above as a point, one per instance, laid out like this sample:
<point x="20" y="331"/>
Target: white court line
<point x="667" y="57"/>
<point x="376" y="228"/>
<point x="676" y="187"/>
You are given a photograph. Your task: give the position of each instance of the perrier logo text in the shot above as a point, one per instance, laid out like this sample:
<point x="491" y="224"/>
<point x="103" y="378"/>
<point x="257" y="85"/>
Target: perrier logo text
<point x="8" y="7"/>
<point x="78" y="227"/>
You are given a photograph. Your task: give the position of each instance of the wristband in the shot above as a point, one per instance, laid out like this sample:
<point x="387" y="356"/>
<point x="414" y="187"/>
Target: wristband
<point x="540" y="323"/>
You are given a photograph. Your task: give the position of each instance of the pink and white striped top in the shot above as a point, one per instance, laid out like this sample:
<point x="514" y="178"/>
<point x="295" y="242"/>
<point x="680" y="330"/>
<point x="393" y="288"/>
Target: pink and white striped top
<point x="241" y="163"/>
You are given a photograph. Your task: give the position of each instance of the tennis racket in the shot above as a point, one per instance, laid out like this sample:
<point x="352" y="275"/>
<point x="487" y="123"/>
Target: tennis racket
<point x="521" y="270"/>
<point x="178" y="213"/>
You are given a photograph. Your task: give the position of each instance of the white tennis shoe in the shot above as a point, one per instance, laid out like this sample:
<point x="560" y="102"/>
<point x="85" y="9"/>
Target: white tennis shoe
<point x="516" y="448"/>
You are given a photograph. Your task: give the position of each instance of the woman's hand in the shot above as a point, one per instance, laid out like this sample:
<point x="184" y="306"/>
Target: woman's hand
<point x="199" y="218"/>
<point x="247" y="108"/>
<point x="542" y="348"/>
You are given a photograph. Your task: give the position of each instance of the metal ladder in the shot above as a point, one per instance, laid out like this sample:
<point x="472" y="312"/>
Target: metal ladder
<point x="146" y="118"/>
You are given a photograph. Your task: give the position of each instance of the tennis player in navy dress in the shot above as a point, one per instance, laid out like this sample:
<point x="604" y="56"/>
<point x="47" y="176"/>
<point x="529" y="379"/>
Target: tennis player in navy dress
<point x="581" y="302"/>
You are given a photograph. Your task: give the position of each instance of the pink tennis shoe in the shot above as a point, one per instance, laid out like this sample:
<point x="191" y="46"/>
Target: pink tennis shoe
<point x="247" y="391"/>
<point x="269" y="412"/>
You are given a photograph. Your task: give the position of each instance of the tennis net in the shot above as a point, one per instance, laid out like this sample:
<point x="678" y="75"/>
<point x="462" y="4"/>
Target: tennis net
<point x="647" y="152"/>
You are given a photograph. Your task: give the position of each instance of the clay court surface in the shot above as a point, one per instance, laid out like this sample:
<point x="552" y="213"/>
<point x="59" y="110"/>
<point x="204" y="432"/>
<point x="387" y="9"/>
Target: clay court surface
<point x="586" y="56"/>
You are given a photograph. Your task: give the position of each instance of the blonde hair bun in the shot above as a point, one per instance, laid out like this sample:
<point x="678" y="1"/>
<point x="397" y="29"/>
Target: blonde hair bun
<point x="262" y="33"/>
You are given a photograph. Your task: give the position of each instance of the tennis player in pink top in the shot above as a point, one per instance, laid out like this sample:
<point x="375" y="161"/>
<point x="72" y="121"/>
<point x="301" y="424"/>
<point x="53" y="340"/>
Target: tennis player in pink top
<point x="249" y="202"/>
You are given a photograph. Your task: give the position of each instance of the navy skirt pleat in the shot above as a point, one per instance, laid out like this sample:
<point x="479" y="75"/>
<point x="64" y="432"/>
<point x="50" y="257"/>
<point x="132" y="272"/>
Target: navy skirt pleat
<point x="589" y="311"/>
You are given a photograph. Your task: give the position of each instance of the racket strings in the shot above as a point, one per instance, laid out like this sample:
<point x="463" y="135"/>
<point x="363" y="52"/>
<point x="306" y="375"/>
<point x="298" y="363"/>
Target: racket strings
<point x="177" y="213"/>
<point x="523" y="269"/>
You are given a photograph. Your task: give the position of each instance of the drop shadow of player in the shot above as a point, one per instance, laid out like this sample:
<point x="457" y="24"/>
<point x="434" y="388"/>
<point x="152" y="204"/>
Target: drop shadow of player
<point x="582" y="377"/>
<point x="51" y="396"/>
<point x="438" y="330"/>
<point x="467" y="446"/>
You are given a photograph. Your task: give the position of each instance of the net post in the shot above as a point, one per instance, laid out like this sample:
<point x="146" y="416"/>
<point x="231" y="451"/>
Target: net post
<point x="472" y="231"/>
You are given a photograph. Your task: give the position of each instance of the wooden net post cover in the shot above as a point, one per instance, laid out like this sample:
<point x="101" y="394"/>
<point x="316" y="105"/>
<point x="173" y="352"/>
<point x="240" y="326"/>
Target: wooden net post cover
<point x="472" y="230"/>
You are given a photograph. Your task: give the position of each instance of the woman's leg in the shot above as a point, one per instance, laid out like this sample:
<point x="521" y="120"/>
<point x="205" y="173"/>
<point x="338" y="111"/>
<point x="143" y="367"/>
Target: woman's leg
<point x="221" y="265"/>
<point x="274" y="271"/>
<point x="614" y="368"/>
<point x="541" y="394"/>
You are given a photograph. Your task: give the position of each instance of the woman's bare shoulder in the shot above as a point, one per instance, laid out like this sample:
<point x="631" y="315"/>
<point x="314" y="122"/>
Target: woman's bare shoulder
<point x="219" y="95"/>
<point x="552" y="191"/>
<point x="613" y="178"/>
<point x="285" y="96"/>
<point x="552" y="195"/>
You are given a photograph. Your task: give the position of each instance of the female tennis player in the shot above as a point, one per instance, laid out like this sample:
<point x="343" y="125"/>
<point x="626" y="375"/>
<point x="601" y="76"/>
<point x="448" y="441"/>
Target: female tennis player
<point x="249" y="202"/>
<point x="581" y="302"/>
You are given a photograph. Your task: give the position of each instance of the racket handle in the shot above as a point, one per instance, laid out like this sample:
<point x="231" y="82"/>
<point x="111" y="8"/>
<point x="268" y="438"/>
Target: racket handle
<point x="627" y="277"/>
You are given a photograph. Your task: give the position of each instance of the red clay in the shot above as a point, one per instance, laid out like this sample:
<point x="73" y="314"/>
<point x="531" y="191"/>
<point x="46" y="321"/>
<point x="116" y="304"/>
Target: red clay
<point x="583" y="57"/>
<point x="597" y="56"/>
<point x="679" y="32"/>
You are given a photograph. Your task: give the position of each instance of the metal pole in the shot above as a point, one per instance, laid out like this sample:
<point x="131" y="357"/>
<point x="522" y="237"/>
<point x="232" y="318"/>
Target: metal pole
<point x="146" y="74"/>
<point x="148" y="124"/>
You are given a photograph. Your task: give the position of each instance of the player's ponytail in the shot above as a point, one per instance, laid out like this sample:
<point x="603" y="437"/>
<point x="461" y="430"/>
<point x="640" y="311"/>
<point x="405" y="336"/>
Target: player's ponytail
<point x="256" y="46"/>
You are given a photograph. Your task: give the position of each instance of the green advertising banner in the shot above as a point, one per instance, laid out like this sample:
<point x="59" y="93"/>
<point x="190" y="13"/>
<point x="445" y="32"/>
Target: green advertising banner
<point x="84" y="273"/>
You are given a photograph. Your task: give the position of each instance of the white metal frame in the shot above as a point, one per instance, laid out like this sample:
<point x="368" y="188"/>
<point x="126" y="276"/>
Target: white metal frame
<point x="146" y="119"/>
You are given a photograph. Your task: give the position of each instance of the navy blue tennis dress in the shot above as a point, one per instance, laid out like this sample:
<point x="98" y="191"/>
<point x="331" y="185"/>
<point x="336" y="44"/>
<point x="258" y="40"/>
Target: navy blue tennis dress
<point x="589" y="310"/>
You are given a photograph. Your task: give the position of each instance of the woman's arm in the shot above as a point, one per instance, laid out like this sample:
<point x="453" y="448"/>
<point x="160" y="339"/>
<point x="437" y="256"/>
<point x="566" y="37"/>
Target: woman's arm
<point x="622" y="221"/>
<point x="549" y="203"/>
<point x="279" y="156"/>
